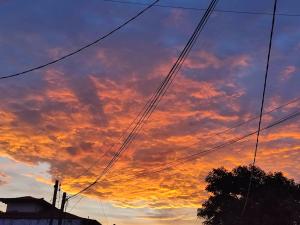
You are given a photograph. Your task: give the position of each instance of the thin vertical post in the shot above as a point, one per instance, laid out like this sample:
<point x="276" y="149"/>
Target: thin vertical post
<point x="62" y="208"/>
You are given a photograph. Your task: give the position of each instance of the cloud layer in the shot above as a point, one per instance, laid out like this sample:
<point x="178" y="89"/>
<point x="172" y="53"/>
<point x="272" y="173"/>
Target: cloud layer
<point x="74" y="115"/>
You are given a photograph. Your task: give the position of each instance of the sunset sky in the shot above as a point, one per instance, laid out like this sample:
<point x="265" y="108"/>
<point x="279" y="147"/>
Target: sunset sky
<point x="58" y="121"/>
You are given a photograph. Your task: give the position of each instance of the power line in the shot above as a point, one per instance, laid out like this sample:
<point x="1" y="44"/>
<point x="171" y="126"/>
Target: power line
<point x="227" y="143"/>
<point x="86" y="170"/>
<point x="83" y="47"/>
<point x="152" y="103"/>
<point x="194" y="156"/>
<point x="256" y="117"/>
<point x="201" y="9"/>
<point x="134" y="121"/>
<point x="157" y="97"/>
<point x="206" y="152"/>
<point x="238" y="125"/>
<point x="76" y="203"/>
<point x="262" y="105"/>
<point x="144" y="116"/>
<point x="215" y="148"/>
<point x="247" y="121"/>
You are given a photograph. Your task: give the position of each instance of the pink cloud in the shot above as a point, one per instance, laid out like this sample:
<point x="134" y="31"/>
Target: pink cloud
<point x="204" y="60"/>
<point x="287" y="72"/>
<point x="176" y="16"/>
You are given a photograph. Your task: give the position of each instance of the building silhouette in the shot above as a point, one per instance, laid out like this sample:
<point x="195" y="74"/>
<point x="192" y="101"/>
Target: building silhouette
<point x="37" y="211"/>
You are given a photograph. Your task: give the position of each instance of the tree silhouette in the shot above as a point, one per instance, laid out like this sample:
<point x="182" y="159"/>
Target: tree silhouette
<point x="273" y="200"/>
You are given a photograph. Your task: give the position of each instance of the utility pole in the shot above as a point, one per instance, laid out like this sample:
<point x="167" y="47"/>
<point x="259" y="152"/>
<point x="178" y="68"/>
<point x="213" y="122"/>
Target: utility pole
<point x="63" y="202"/>
<point x="53" y="201"/>
<point x="55" y="193"/>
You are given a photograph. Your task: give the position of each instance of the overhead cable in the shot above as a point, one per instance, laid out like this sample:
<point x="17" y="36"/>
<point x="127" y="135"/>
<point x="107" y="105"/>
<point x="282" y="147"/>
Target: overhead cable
<point x="202" y="9"/>
<point x="198" y="154"/>
<point x="261" y="107"/>
<point x="156" y="97"/>
<point x="286" y="104"/>
<point x="83" y="47"/>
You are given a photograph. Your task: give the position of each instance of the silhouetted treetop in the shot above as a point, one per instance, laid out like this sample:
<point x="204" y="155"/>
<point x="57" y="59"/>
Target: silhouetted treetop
<point x="274" y="199"/>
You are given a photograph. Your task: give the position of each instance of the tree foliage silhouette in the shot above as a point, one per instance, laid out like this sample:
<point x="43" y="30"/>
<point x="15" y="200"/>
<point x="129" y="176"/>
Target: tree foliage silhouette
<point x="274" y="199"/>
